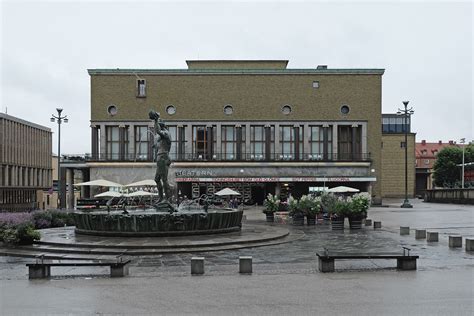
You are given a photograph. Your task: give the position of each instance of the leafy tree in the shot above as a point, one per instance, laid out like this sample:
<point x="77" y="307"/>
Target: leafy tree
<point x="447" y="173"/>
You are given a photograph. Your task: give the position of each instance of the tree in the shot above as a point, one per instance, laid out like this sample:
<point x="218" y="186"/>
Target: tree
<point x="447" y="173"/>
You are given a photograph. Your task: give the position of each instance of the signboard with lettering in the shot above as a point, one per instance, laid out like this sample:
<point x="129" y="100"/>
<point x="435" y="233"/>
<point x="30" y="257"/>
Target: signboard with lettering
<point x="278" y="179"/>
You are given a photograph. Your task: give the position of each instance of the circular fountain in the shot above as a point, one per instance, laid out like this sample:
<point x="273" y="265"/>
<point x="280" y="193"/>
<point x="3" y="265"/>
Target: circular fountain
<point x="161" y="218"/>
<point x="149" y="222"/>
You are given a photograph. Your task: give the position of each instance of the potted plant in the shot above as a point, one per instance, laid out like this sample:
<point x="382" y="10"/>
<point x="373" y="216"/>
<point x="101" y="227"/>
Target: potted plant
<point x="328" y="202"/>
<point x="311" y="207"/>
<point x="295" y="211"/>
<point x="272" y="204"/>
<point x="358" y="210"/>
<point x="340" y="210"/>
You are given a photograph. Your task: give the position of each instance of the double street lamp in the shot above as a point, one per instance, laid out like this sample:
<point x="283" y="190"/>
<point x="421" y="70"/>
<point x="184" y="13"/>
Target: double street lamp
<point x="59" y="119"/>
<point x="406" y="114"/>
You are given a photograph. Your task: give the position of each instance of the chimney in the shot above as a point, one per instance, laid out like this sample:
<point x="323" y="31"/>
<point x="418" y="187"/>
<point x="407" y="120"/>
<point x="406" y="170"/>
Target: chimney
<point x="451" y="142"/>
<point x="423" y="142"/>
<point x="440" y="143"/>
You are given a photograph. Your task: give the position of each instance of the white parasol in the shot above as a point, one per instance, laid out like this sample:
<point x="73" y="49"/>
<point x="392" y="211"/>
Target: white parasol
<point x="109" y="194"/>
<point x="100" y="183"/>
<point x="343" y="189"/>
<point x="147" y="182"/>
<point x="227" y="191"/>
<point x="140" y="193"/>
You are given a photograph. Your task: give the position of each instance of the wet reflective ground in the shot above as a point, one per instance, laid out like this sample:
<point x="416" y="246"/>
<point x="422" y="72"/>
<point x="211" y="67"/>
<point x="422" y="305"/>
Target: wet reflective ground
<point x="285" y="278"/>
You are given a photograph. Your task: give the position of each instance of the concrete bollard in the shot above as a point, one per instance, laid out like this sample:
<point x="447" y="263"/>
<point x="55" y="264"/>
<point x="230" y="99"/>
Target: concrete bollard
<point x="469" y="244"/>
<point x="404" y="230"/>
<point x="455" y="241"/>
<point x="432" y="236"/>
<point x="420" y="234"/>
<point x="197" y="265"/>
<point x="245" y="264"/>
<point x="377" y="224"/>
<point x="368" y="222"/>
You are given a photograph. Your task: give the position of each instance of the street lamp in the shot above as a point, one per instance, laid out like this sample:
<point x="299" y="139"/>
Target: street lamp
<point x="462" y="141"/>
<point x="59" y="119"/>
<point x="406" y="114"/>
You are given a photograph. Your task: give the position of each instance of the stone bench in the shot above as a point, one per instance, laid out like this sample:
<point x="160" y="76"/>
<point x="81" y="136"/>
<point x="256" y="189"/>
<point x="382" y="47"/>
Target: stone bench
<point x="42" y="270"/>
<point x="326" y="259"/>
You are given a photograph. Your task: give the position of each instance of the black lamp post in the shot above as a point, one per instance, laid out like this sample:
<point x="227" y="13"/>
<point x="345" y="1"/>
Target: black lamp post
<point x="59" y="119"/>
<point x="406" y="113"/>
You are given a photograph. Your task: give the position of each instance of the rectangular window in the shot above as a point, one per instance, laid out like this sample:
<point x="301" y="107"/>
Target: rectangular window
<point x="202" y="139"/>
<point x="141" y="88"/>
<point x="142" y="137"/>
<point x="287" y="142"/>
<point x="257" y="142"/>
<point x="229" y="142"/>
<point x="112" y="142"/>
<point x="316" y="143"/>
<point x="174" y="142"/>
<point x="316" y="84"/>
<point x="402" y="144"/>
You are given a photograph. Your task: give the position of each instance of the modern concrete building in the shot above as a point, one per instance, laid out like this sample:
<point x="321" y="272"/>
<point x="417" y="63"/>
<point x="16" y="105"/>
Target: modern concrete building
<point x="393" y="156"/>
<point x="256" y="126"/>
<point x="25" y="163"/>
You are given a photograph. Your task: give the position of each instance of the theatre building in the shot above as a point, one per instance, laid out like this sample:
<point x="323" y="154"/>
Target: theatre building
<point x="256" y="126"/>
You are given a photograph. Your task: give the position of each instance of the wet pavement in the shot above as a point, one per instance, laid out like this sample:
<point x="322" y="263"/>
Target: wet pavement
<point x="285" y="278"/>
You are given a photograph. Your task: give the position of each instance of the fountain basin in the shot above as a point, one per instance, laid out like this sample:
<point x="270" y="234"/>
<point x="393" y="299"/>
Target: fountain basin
<point x="149" y="223"/>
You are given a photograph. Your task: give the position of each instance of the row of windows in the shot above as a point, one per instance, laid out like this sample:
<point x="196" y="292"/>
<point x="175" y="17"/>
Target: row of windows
<point x="233" y="141"/>
<point x="395" y="124"/>
<point x="141" y="87"/>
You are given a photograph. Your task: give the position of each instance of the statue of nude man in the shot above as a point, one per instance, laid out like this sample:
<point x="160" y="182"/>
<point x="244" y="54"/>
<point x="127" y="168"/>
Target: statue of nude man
<point x="162" y="147"/>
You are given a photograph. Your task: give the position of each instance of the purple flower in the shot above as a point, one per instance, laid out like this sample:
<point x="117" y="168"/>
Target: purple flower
<point x="13" y="219"/>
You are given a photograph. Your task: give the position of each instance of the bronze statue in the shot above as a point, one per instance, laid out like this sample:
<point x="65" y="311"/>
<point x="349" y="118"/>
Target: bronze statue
<point x="162" y="147"/>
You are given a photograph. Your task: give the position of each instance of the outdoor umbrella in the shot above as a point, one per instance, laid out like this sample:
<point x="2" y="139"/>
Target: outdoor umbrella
<point x="343" y="189"/>
<point x="147" y="182"/>
<point x="100" y="183"/>
<point x="227" y="191"/>
<point x="109" y="194"/>
<point x="140" y="193"/>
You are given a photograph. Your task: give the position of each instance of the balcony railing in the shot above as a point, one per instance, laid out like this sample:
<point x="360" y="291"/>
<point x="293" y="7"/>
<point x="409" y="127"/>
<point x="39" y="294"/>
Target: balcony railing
<point x="225" y="157"/>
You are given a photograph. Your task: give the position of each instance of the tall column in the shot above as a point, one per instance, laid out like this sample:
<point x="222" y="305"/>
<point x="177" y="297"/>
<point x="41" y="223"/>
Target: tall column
<point x="94" y="141"/>
<point x="268" y="142"/>
<point x="277" y="141"/>
<point x="20" y="176"/>
<point x="62" y="202"/>
<point x="121" y="143"/>
<point x="364" y="139"/>
<point x="247" y="139"/>
<point x="238" y="130"/>
<point x="103" y="141"/>
<point x="188" y="135"/>
<point x="210" y="142"/>
<point x="130" y="130"/>
<point x="325" y="142"/>
<point x="334" y="140"/>
<point x="181" y="144"/>
<point x="296" y="133"/>
<point x="70" y="186"/>
<point x="306" y="138"/>
<point x="219" y="140"/>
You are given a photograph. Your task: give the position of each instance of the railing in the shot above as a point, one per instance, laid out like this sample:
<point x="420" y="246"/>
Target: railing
<point x="225" y="157"/>
<point x="457" y="196"/>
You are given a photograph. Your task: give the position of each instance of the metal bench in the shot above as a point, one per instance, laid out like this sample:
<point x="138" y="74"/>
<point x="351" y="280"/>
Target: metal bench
<point x="404" y="260"/>
<point x="41" y="269"/>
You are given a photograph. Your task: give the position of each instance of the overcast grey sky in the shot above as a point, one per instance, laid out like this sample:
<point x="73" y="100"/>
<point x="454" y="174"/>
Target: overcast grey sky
<point x="425" y="47"/>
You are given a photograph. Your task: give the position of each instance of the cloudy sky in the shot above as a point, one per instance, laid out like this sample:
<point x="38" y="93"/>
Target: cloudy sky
<point x="425" y="47"/>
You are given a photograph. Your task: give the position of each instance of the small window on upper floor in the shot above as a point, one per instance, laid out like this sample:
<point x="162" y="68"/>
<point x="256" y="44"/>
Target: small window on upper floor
<point x="316" y="84"/>
<point x="141" y="88"/>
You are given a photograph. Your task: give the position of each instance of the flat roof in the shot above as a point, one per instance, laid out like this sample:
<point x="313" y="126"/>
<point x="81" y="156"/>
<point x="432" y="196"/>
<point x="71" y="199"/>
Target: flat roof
<point x="21" y="121"/>
<point x="304" y="71"/>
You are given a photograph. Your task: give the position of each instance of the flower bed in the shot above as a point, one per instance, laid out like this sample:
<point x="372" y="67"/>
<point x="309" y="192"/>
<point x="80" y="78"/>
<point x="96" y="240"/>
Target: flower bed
<point x="20" y="227"/>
